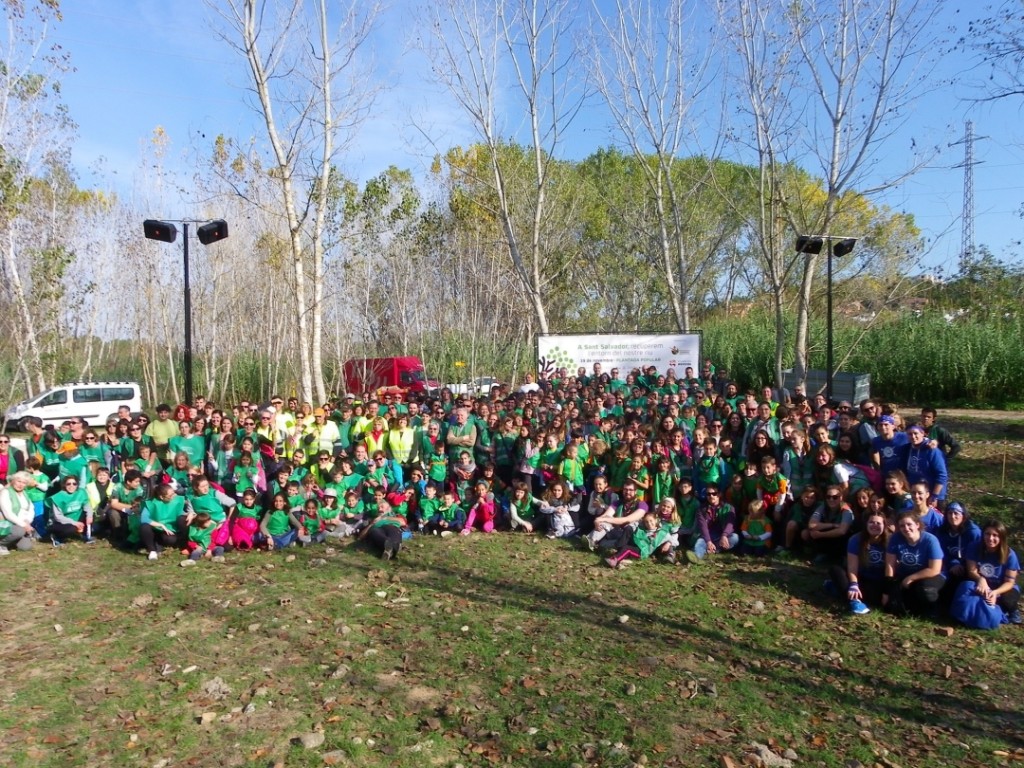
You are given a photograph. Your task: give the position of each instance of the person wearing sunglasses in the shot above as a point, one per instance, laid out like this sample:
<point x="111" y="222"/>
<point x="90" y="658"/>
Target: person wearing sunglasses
<point x="11" y="459"/>
<point x="829" y="527"/>
<point x="129" y="446"/>
<point x="70" y="513"/>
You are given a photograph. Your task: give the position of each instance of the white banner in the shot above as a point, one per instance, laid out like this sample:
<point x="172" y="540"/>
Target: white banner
<point x="622" y="351"/>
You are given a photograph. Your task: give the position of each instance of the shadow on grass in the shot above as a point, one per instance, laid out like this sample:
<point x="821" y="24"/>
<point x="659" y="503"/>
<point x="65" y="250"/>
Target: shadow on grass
<point x="825" y="683"/>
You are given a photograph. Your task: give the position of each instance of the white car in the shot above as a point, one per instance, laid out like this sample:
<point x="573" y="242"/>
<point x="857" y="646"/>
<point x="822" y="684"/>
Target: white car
<point x="481" y="385"/>
<point x="92" y="401"/>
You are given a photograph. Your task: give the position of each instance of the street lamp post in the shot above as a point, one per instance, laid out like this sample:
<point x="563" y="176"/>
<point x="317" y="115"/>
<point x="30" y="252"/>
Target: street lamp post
<point x="208" y="232"/>
<point x="840" y="246"/>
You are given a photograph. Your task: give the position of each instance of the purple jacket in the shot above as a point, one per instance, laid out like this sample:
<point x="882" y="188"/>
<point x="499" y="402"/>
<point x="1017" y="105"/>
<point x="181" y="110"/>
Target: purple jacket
<point x="714" y="523"/>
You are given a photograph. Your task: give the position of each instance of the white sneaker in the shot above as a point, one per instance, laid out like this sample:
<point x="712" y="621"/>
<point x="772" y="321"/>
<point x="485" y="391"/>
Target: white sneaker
<point x="4" y="550"/>
<point x="152" y="556"/>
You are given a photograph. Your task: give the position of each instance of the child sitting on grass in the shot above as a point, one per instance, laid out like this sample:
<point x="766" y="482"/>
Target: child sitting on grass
<point x="279" y="526"/>
<point x="669" y="513"/>
<point x="312" y="529"/>
<point x="245" y="523"/>
<point x="756" y="530"/>
<point x="352" y="515"/>
<point x="651" y="536"/>
<point x="449" y="518"/>
<point x="523" y="508"/>
<point x="199" y="544"/>
<point x="558" y="507"/>
<point x="427" y="508"/>
<point x="481" y="514"/>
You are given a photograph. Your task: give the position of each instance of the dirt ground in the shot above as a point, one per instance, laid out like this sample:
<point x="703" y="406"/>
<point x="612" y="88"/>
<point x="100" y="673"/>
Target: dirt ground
<point x="969" y="413"/>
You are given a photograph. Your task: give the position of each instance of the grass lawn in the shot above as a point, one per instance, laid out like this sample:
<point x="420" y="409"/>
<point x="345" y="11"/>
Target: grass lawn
<point x="485" y="650"/>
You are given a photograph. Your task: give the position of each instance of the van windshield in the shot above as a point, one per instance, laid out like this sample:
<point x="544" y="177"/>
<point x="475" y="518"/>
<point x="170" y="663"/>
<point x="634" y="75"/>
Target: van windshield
<point x="57" y="397"/>
<point x="408" y="377"/>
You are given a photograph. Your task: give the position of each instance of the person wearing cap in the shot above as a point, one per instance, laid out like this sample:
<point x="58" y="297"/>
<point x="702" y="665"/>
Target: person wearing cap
<point x="285" y="422"/>
<point x="322" y="434"/>
<point x="889" y="447"/>
<point x="924" y="464"/>
<point x="73" y="464"/>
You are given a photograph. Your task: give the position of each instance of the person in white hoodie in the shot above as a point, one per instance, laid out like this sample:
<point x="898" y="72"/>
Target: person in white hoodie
<point x="16" y="513"/>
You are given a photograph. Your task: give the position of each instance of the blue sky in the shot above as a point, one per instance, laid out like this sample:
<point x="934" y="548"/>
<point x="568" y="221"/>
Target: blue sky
<point x="140" y="64"/>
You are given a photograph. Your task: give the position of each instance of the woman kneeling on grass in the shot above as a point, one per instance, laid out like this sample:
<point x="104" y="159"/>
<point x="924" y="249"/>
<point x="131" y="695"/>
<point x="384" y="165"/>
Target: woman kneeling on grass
<point x="913" y="568"/>
<point x="990" y="595"/>
<point x="863" y="579"/>
<point x="385" y="532"/>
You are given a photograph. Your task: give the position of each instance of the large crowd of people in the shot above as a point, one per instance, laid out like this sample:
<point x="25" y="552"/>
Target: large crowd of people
<point x="646" y="466"/>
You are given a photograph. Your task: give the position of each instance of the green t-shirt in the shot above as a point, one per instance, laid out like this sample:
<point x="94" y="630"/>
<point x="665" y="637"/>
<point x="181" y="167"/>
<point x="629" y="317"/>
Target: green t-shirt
<point x="252" y="513"/>
<point x="74" y="466"/>
<point x="194" y="447"/>
<point x="311" y="523"/>
<point x="201" y="536"/>
<point x="278" y="522"/>
<point x="429" y="507"/>
<point x="71" y="505"/>
<point x="208" y="503"/>
<point x="166" y="512"/>
<point x="448" y="514"/>
<point x="354" y="513"/>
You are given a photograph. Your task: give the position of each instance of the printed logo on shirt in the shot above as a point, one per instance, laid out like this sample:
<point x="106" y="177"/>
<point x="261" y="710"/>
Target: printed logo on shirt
<point x="909" y="557"/>
<point x="988" y="570"/>
<point x="876" y="557"/>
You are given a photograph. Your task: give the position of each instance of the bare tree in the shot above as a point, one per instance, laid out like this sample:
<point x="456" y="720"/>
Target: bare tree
<point x="997" y="39"/>
<point x="823" y="82"/>
<point x="516" y="57"/>
<point x="34" y="129"/>
<point x="862" y="61"/>
<point x="764" y="75"/>
<point x="309" y="89"/>
<point x="651" y="76"/>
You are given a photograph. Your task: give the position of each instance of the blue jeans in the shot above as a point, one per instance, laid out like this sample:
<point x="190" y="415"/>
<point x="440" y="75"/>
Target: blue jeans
<point x="701" y="546"/>
<point x="285" y="539"/>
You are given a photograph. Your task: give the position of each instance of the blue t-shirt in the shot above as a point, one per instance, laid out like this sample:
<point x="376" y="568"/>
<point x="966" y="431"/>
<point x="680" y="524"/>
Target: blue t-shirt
<point x="911" y="558"/>
<point x="990" y="567"/>
<point x="890" y="453"/>
<point x="932" y="520"/>
<point x="956" y="545"/>
<point x="873" y="569"/>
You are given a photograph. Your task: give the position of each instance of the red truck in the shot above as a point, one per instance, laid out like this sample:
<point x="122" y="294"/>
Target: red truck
<point x="372" y="374"/>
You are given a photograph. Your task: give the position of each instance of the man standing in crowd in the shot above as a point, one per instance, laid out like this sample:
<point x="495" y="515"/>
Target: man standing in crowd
<point x="939" y="437"/>
<point x="161" y="430"/>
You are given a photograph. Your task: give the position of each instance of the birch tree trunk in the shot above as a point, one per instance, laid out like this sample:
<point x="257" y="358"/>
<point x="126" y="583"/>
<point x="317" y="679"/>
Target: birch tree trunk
<point x="516" y="51"/>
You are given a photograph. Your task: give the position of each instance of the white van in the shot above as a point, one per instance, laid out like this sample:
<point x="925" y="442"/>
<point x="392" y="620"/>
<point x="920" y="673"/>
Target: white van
<point x="92" y="401"/>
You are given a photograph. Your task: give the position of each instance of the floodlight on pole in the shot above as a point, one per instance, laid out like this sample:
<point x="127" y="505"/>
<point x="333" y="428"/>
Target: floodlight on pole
<point x="208" y="232"/>
<point x="840" y="246"/>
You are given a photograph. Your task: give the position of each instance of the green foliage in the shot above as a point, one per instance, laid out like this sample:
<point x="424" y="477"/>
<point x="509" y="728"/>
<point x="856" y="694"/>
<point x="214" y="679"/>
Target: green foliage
<point x="926" y="359"/>
<point x="984" y="285"/>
